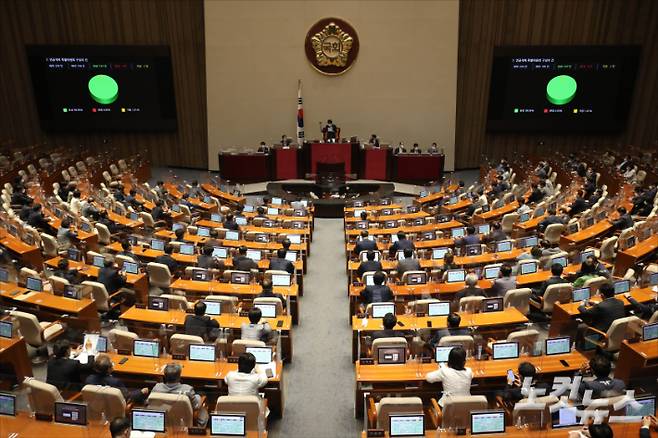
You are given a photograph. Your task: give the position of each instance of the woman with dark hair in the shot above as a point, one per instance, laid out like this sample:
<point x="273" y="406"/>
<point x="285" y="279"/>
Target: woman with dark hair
<point x="455" y="376"/>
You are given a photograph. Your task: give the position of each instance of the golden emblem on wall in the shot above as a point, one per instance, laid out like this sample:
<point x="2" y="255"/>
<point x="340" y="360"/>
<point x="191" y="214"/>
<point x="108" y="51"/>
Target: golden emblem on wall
<point x="331" y="46"/>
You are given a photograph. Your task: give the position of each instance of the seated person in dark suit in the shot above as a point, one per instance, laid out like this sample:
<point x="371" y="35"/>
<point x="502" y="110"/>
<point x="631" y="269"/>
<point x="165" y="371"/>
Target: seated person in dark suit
<point x="207" y="261"/>
<point x="369" y="265"/>
<point x="555" y="278"/>
<point x="110" y="276"/>
<point x="642" y="310"/>
<point x="102" y="375"/>
<point x="513" y="391"/>
<point x="603" y="314"/>
<point x="168" y="260"/>
<point x="415" y="149"/>
<point x="200" y="324"/>
<point x="37" y="220"/>
<point x="63" y="271"/>
<point x="260" y="213"/>
<point x="379" y="292"/>
<point x="453" y="329"/>
<point x="505" y="281"/>
<point x="364" y="243"/>
<point x="536" y="195"/>
<point x="243" y="263"/>
<point x="602" y="385"/>
<point x="230" y="223"/>
<point x="63" y="372"/>
<point x="400" y="245"/>
<point x="579" y="204"/>
<point x="624" y="221"/>
<point x="497" y="233"/>
<point x="126" y="251"/>
<point x="471" y="290"/>
<point x="158" y="213"/>
<point x="389" y="322"/>
<point x="19" y="197"/>
<point x="120" y="428"/>
<point x="214" y="238"/>
<point x="268" y="292"/>
<point x="592" y="267"/>
<point x="470" y="238"/>
<point x="279" y="263"/>
<point x="551" y="219"/>
<point x="408" y="263"/>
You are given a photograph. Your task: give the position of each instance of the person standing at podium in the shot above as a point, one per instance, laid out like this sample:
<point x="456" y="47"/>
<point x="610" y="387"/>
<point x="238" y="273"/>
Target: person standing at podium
<point x="330" y="131"/>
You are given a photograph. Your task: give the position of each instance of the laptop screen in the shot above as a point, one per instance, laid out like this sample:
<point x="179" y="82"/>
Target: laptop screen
<point x="241" y="220"/>
<point x="560" y="261"/>
<point x="647" y="407"/>
<point x="272" y="211"/>
<point x="529" y="268"/>
<point x="524" y="217"/>
<point x="458" y="232"/>
<point x="4" y="275"/>
<point x="6" y="329"/>
<point x="148" y="421"/>
<point x="653" y="279"/>
<point x="505" y="350"/>
<point x="391" y="355"/>
<point x="187" y="249"/>
<point x="98" y="261"/>
<point x="277" y="201"/>
<point x="215" y="217"/>
<point x="281" y="280"/>
<point x="267" y="310"/>
<point x="146" y="348"/>
<point x="295" y="238"/>
<point x="101" y="344"/>
<point x="442" y="308"/>
<point x="439" y="253"/>
<point x="484" y="229"/>
<point x="487" y="422"/>
<point x="622" y="286"/>
<point x="213" y="308"/>
<point x="565" y="417"/>
<point x="73" y="254"/>
<point x="442" y="352"/>
<point x="407" y="425"/>
<point x="71" y="413"/>
<point x="203" y="232"/>
<point x="561" y="345"/>
<point x="456" y="275"/>
<point x="176" y="227"/>
<point x="491" y="272"/>
<point x="379" y="310"/>
<point x="228" y="424"/>
<point x="220" y="252"/>
<point x="248" y="208"/>
<point x="650" y="332"/>
<point x="529" y="242"/>
<point x="263" y="355"/>
<point x="8" y="404"/>
<point x="157" y="245"/>
<point x="202" y="352"/>
<point x="505" y="245"/>
<point x="232" y="235"/>
<point x="130" y="267"/>
<point x="254" y="254"/>
<point x="34" y="284"/>
<point x="581" y="294"/>
<point x="291" y="256"/>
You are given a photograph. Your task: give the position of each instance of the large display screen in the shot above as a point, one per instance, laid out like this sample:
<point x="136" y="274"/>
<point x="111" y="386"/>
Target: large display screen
<point x="103" y="88"/>
<point x="561" y="89"/>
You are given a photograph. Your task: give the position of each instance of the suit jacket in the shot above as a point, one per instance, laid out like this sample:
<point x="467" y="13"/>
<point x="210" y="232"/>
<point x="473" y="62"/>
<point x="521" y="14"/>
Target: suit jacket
<point x="400" y="245"/>
<point x="603" y="314"/>
<point x="129" y="395"/>
<point x="377" y="294"/>
<point x="231" y="225"/>
<point x="471" y="239"/>
<point x="578" y="206"/>
<point x="365" y="245"/>
<point x="282" y="265"/>
<point x="466" y="292"/>
<point x="200" y="326"/>
<point x="368" y="266"/>
<point x="459" y="331"/>
<point x="551" y="281"/>
<point x="208" y="262"/>
<point x="65" y="373"/>
<point x="168" y="260"/>
<point x="498" y="235"/>
<point x="244" y="263"/>
<point x="603" y="387"/>
<point x="643" y="310"/>
<point x="111" y="279"/>
<point x="549" y="220"/>
<point x="269" y="293"/>
<point x="535" y="196"/>
<point x="502" y="285"/>
<point x="405" y="265"/>
<point x="68" y="274"/>
<point x="624" y="221"/>
<point x="387" y="333"/>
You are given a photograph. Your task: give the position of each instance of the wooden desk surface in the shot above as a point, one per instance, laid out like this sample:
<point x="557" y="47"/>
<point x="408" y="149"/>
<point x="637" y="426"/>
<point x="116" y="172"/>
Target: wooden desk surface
<point x="13" y="292"/>
<point x="530" y="224"/>
<point x="391" y="217"/>
<point x="414" y="229"/>
<point x="412" y="371"/>
<point x="496" y="212"/>
<point x="306" y="231"/>
<point x="215" y="287"/>
<point x="509" y="316"/>
<point x="15" y="244"/>
<point x="646" y="349"/>
<point x="419" y="244"/>
<point x="543" y="275"/>
<point x="222" y="195"/>
<point x="619" y="430"/>
<point x="372" y="207"/>
<point x="586" y="234"/>
<point x="643" y="248"/>
<point x="460" y="205"/>
<point x="429" y="288"/>
<point x="641" y="295"/>
<point x="92" y="271"/>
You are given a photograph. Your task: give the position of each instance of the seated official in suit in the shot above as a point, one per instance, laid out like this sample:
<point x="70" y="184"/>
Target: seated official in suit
<point x="64" y="372"/>
<point x="330" y="131"/>
<point x="168" y="260"/>
<point x="65" y="236"/>
<point x="243" y="263"/>
<point x="264" y="148"/>
<point x="415" y="149"/>
<point x="260" y="213"/>
<point x="642" y="310"/>
<point x="505" y="281"/>
<point x="593" y="268"/>
<point x="470" y="238"/>
<point x="171" y="385"/>
<point x="579" y="204"/>
<point x="603" y="314"/>
<point x="214" y="239"/>
<point x="158" y="213"/>
<point x="180" y="236"/>
<point x="120" y="428"/>
<point x="113" y="280"/>
<point x="389" y="322"/>
<point x="102" y="375"/>
<point x="379" y="293"/>
<point x="453" y="329"/>
<point x="497" y="233"/>
<point x="230" y="223"/>
<point x="551" y="219"/>
<point x="455" y="377"/>
<point x="369" y="265"/>
<point x="63" y="271"/>
<point x="602" y="385"/>
<point x="534" y="254"/>
<point x="536" y="194"/>
<point x="126" y="251"/>
<point x="207" y="261"/>
<point x="408" y="263"/>
<point x="402" y="244"/>
<point x="555" y="278"/>
<point x="255" y="330"/>
<point x="364" y="243"/>
<point x="201" y="324"/>
<point x="624" y="221"/>
<point x="471" y="290"/>
<point x="245" y="381"/>
<point x="268" y="292"/>
<point x="279" y="263"/>
<point x="513" y="391"/>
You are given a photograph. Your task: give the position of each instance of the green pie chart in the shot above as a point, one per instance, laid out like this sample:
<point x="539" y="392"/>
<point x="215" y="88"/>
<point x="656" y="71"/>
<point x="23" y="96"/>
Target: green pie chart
<point x="561" y="89"/>
<point x="103" y="89"/>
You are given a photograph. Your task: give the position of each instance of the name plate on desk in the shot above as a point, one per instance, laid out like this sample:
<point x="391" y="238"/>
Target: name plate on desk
<point x="367" y="361"/>
<point x="140" y="306"/>
<point x="420" y="314"/>
<point x="178" y="356"/>
<point x="244" y="314"/>
<point x="375" y="433"/>
<point x="196" y="430"/>
<point x="232" y="359"/>
<point x="43" y="417"/>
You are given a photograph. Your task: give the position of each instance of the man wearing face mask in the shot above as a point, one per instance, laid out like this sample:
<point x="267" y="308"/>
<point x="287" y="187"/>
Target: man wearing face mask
<point x="330" y="131"/>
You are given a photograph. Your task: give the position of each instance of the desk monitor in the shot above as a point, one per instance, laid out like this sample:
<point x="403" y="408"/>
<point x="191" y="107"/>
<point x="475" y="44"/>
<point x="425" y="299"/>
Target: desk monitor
<point x="487" y="422"/>
<point x="484" y="229"/>
<point x="219" y="252"/>
<point x="240" y="277"/>
<point x="294" y="238"/>
<point x="213" y="308"/>
<point x="423" y="193"/>
<point x="12" y="230"/>
<point x="486" y="208"/>
<point x="581" y="294"/>
<point x="248" y="209"/>
<point x="357" y="213"/>
<point x="443" y="218"/>
<point x="539" y="211"/>
<point x="458" y="232"/>
<point x="417" y="278"/>
<point x="146" y="348"/>
<point x="276" y="201"/>
<point x="4" y="275"/>
<point x="622" y="286"/>
<point x="6" y="329"/>
<point x="529" y="268"/>
<point x="400" y="255"/>
<point x="361" y="225"/>
<point x="177" y="226"/>
<point x="439" y="253"/>
<point x="379" y="310"/>
<point x="291" y="256"/>
<point x="491" y="272"/>
<point x="630" y="242"/>
<point x="565" y="417"/>
<point x="202" y="352"/>
<point x="455" y="275"/>
<point x="473" y="250"/>
<point x="130" y="267"/>
<point x="7" y="404"/>
<point x="86" y="227"/>
<point x="176" y="208"/>
<point x="441" y="308"/>
<point x="34" y="284"/>
<point x="98" y="261"/>
<point x="386" y="212"/>
<point x="453" y="200"/>
<point x="492" y="304"/>
<point x="158" y="303"/>
<point x="560" y="345"/>
<point x="391" y="355"/>
<point x="215" y="217"/>
<point x="394" y="238"/>
<point x="232" y="235"/>
<point x="585" y="254"/>
<point x="272" y="211"/>
<point x="572" y="228"/>
<point x="148" y="421"/>
<point x="503" y="246"/>
<point x="505" y="350"/>
<point x="186" y="249"/>
<point x="73" y="254"/>
<point x="267" y="310"/>
<point x="201" y="275"/>
<point x="133" y="216"/>
<point x="524" y="217"/>
<point x="647" y="407"/>
<point x="650" y="332"/>
<point x="71" y="413"/>
<point x="262" y="237"/>
<point x="528" y="242"/>
<point x="406" y="425"/>
<point x="207" y="200"/>
<point x="70" y="291"/>
<point x="228" y="424"/>
<point x="254" y="254"/>
<point x="429" y="235"/>
<point x="441" y="353"/>
<point x="369" y="280"/>
<point x="391" y="224"/>
<point x="101" y="344"/>
<point x="263" y="355"/>
<point x="241" y="220"/>
<point x="203" y="232"/>
<point x="589" y="221"/>
<point x="560" y="261"/>
<point x="281" y="280"/>
<point x="157" y="245"/>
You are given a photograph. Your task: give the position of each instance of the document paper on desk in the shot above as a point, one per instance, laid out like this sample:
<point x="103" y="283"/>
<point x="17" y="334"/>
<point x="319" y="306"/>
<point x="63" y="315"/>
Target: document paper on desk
<point x="25" y="296"/>
<point x="271" y="366"/>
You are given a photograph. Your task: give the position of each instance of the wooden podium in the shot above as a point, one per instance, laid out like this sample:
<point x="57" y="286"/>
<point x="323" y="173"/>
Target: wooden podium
<point x="332" y="153"/>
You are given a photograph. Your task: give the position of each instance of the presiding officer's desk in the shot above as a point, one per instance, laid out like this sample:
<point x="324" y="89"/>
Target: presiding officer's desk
<point x="488" y="324"/>
<point x="81" y="314"/>
<point x="146" y="323"/>
<point x="409" y="379"/>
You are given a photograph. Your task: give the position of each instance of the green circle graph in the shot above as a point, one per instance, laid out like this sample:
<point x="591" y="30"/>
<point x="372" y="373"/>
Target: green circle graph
<point x="561" y="89"/>
<point x="103" y="89"/>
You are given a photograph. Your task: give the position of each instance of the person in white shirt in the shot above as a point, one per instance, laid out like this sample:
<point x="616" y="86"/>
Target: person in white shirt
<point x="455" y="377"/>
<point x="245" y="381"/>
<point x="75" y="205"/>
<point x="523" y="207"/>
